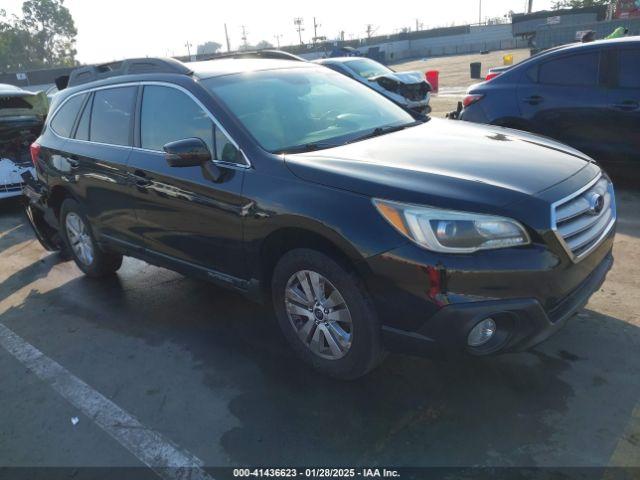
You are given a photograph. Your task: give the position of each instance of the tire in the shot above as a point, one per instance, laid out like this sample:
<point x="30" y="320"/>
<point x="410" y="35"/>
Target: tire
<point x="94" y="263"/>
<point x="351" y="357"/>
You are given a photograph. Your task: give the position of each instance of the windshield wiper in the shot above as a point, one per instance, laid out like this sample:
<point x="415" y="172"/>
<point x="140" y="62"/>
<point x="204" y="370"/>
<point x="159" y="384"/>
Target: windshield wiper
<point x="305" y="147"/>
<point x="378" y="131"/>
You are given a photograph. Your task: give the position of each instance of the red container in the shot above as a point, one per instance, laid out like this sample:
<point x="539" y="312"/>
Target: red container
<point x="432" y="78"/>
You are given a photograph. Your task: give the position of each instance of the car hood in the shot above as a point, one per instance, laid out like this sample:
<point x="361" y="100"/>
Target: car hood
<point x="402" y="77"/>
<point x="444" y="163"/>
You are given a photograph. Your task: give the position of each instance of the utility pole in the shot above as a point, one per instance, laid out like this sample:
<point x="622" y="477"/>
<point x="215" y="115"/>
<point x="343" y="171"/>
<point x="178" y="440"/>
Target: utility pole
<point x="245" y="45"/>
<point x="315" y="29"/>
<point x="480" y="12"/>
<point x="370" y="30"/>
<point x="419" y="25"/>
<point x="226" y="35"/>
<point x="278" y="37"/>
<point x="530" y="7"/>
<point x="188" y="45"/>
<point x="298" y="23"/>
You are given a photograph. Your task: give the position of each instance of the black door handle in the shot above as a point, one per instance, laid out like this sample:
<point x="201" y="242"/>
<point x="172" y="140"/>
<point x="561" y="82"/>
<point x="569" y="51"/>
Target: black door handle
<point x="533" y="100"/>
<point x="73" y="162"/>
<point x="627" y="105"/>
<point x="141" y="179"/>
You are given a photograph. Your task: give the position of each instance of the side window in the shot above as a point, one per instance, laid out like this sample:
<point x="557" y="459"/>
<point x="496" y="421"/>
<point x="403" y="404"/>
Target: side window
<point x="629" y="68"/>
<point x="111" y="115"/>
<point x="64" y="119"/>
<point x="575" y="70"/>
<point x="169" y="115"/>
<point x="226" y="151"/>
<point x="82" y="133"/>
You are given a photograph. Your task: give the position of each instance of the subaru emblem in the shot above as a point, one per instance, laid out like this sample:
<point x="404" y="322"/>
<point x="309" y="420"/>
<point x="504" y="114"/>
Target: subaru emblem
<point x="596" y="203"/>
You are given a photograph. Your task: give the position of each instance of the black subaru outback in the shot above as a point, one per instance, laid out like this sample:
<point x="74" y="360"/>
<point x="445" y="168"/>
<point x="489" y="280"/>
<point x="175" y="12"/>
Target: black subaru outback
<point x="368" y="229"/>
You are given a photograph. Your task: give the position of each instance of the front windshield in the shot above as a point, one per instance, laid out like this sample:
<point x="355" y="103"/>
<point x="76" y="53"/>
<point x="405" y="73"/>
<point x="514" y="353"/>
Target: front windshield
<point x="287" y="109"/>
<point x="367" y="68"/>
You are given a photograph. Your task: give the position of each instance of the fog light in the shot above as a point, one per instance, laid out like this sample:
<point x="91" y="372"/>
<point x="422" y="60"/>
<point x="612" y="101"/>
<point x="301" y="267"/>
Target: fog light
<point x="481" y="333"/>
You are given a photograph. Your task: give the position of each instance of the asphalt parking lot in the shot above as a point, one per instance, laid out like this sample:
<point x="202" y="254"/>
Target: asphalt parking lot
<point x="210" y="373"/>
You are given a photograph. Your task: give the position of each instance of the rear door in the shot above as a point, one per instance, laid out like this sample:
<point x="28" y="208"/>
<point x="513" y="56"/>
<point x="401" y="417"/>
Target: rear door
<point x="564" y="98"/>
<point x="624" y="108"/>
<point x="93" y="131"/>
<point x="190" y="215"/>
<point x="98" y="154"/>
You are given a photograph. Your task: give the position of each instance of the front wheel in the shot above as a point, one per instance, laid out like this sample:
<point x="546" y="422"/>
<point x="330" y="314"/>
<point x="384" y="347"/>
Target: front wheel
<point x="81" y="243"/>
<point x="325" y="314"/>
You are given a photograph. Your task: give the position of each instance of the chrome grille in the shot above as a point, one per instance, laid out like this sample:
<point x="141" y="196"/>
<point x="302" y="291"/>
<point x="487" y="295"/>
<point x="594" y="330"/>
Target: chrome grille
<point x="582" y="220"/>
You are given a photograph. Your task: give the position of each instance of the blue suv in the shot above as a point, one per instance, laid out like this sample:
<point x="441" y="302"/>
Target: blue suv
<point x="585" y="95"/>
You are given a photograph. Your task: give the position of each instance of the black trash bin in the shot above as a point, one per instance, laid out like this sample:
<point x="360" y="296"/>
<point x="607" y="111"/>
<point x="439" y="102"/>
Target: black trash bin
<point x="475" y="68"/>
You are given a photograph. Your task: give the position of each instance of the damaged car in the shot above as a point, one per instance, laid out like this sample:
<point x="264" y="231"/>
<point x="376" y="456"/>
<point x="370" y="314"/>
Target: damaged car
<point x="407" y="89"/>
<point x="22" y="116"/>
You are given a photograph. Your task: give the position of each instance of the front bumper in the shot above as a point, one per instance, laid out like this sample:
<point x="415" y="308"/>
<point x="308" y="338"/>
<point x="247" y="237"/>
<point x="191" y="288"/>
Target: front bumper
<point x="522" y="323"/>
<point x="428" y="303"/>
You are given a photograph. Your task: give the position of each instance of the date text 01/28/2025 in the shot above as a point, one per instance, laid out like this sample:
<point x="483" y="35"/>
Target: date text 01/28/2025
<point x="316" y="472"/>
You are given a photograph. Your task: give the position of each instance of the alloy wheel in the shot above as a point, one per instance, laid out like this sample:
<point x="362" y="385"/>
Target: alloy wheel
<point x="319" y="314"/>
<point x="79" y="238"/>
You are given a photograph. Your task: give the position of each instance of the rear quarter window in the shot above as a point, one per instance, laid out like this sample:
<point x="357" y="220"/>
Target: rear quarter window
<point x="65" y="117"/>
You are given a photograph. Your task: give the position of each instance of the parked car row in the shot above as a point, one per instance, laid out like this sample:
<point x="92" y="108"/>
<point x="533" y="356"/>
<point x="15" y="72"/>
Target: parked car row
<point x="584" y="95"/>
<point x="367" y="226"/>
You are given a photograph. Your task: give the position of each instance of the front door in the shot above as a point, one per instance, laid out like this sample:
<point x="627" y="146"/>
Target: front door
<point x="189" y="214"/>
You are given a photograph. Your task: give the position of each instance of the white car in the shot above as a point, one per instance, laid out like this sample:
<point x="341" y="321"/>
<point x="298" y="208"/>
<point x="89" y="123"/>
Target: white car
<point x="408" y="89"/>
<point x="10" y="177"/>
<point x="22" y="115"/>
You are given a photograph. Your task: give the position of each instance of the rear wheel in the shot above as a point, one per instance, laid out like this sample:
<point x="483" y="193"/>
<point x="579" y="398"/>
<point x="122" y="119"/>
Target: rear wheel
<point x="81" y="243"/>
<point x="325" y="314"/>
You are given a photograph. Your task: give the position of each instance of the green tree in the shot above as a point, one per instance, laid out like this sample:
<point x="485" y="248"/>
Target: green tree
<point x="263" y="44"/>
<point x="580" y="3"/>
<point x="52" y="32"/>
<point x="208" y="48"/>
<point x="44" y="36"/>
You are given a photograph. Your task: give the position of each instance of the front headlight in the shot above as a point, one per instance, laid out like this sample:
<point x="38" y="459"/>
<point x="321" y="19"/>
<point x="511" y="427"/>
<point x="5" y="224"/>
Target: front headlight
<point x="451" y="231"/>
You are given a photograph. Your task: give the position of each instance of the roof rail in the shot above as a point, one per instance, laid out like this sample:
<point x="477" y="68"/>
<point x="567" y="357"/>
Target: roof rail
<point x="271" y="54"/>
<point x="126" y="67"/>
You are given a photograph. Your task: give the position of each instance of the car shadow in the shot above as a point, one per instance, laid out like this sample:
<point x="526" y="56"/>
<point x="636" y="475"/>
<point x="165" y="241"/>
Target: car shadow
<point x="566" y="402"/>
<point x="15" y="230"/>
<point x="516" y="409"/>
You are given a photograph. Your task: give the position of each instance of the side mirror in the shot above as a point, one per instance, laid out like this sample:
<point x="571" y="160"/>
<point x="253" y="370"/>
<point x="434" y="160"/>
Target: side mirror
<point x="188" y="152"/>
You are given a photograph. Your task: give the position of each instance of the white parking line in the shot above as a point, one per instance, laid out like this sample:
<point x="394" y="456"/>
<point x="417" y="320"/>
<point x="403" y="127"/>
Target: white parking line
<point x="151" y="448"/>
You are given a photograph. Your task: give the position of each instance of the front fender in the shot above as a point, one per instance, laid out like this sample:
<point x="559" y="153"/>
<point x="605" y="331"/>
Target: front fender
<point x="348" y="220"/>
